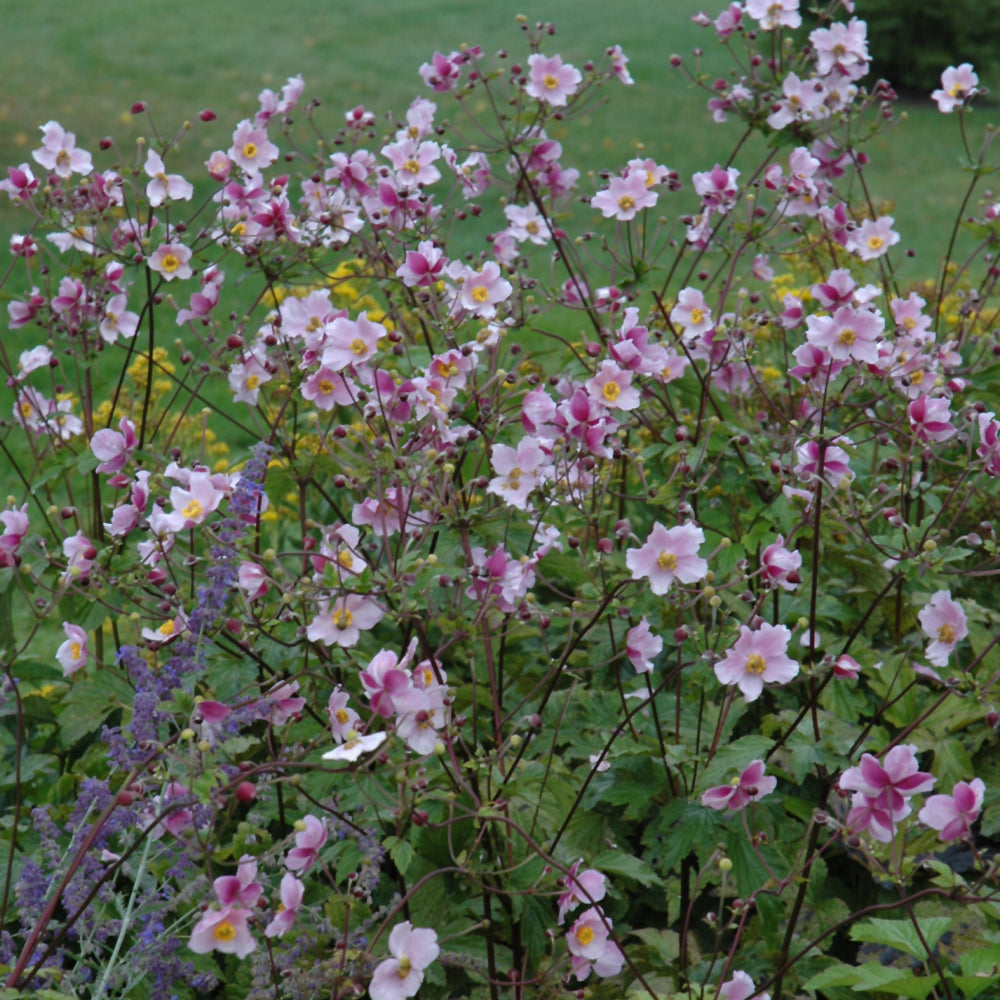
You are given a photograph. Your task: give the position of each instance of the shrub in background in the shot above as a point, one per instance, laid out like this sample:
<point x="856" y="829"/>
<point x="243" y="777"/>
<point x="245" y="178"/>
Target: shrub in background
<point x="917" y="39"/>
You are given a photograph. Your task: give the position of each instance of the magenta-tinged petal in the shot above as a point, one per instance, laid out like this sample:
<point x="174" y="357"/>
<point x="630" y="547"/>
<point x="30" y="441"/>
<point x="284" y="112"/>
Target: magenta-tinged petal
<point x="872" y="772"/>
<point x="718" y="797"/>
<point x="968" y="796"/>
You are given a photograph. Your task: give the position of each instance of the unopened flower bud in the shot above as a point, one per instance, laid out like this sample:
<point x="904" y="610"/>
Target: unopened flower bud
<point x="246" y="791"/>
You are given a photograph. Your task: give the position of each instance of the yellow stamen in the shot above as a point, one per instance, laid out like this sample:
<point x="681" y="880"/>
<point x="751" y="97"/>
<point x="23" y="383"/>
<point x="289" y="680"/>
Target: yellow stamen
<point x="223" y="931"/>
<point x="342" y="618"/>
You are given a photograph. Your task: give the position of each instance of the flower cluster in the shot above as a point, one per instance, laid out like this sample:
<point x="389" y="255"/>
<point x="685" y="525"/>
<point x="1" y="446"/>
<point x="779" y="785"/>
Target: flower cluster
<point x="400" y="520"/>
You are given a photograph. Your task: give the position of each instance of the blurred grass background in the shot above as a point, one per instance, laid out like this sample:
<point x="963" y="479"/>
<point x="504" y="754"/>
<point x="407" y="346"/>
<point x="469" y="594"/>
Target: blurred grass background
<point x="84" y="65"/>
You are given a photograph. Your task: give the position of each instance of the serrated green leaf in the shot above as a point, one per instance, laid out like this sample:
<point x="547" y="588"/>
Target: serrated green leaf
<point x="902" y="934"/>
<point x="771" y="911"/>
<point x="835" y="975"/>
<point x="665" y="943"/>
<point x="972" y="986"/>
<point x="874" y="977"/>
<point x="33" y="765"/>
<point x="89" y="702"/>
<point x="401" y="852"/>
<point x="915" y="987"/>
<point x="627" y="866"/>
<point x="981" y="962"/>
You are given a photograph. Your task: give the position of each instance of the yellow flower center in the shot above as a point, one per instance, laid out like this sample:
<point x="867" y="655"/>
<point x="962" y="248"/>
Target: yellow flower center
<point x="611" y="391"/>
<point x="342" y="618"/>
<point x="412" y="166"/>
<point x="480" y="294"/>
<point x="358" y="346"/>
<point x="341" y="716"/>
<point x="192" y="509"/>
<point x="62" y="158"/>
<point x="667" y="560"/>
<point x="946" y="634"/>
<point x="345" y="559"/>
<point x="847" y="337"/>
<point x="170" y="263"/>
<point x="531" y="227"/>
<point x="756" y="664"/>
<point x="167" y="628"/>
<point x="697" y="315"/>
<point x="550" y="81"/>
<point x="585" y="935"/>
<point x="224" y="931"/>
<point x="626" y="203"/>
<point x="875" y="242"/>
<point x="403" y="967"/>
<point x="252" y="382"/>
<point x="325" y="386"/>
<point x="250" y="150"/>
<point x="76" y="650"/>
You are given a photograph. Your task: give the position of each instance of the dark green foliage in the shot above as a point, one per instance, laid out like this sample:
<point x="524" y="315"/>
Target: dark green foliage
<point x="919" y="39"/>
